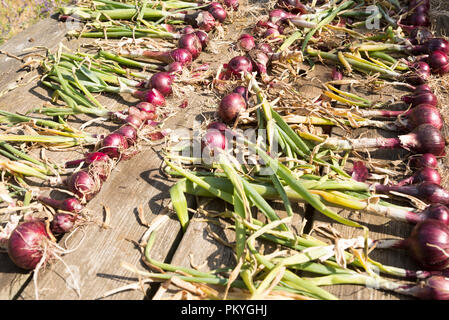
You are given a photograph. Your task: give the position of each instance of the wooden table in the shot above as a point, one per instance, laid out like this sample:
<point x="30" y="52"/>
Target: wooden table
<point x="139" y="182"/>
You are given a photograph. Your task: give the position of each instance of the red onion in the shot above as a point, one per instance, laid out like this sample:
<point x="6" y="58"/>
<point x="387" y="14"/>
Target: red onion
<point x="232" y="4"/>
<point x="420" y="35"/>
<point x="162" y="82"/>
<point x="214" y="139"/>
<point x="422" y="114"/>
<point x="182" y="55"/>
<point x="260" y="60"/>
<point x="435" y="211"/>
<point x="146" y="107"/>
<point x="152" y="96"/>
<point x="192" y="43"/>
<point x="239" y="64"/>
<point x="279" y="15"/>
<point x="148" y="110"/>
<point x="421" y="9"/>
<point x="134" y="111"/>
<point x="271" y="34"/>
<point x="428" y="245"/>
<point x="431" y="288"/>
<point x="431" y="45"/>
<point x="438" y="62"/>
<point x="88" y="159"/>
<point x="83" y="185"/>
<point x="414" y="3"/>
<point x="243" y="91"/>
<point x="72" y="205"/>
<point x="202" y="20"/>
<point x="292" y="5"/>
<point x="231" y="105"/>
<point x="425" y="97"/>
<point x="27" y="243"/>
<point x="426" y="160"/>
<point x="218" y="12"/>
<point x="62" y="223"/>
<point x="220" y="126"/>
<point x="246" y="42"/>
<point x="422" y="175"/>
<point x="265" y="47"/>
<point x="418" y="19"/>
<point x="422" y="88"/>
<point x="129" y="132"/>
<point x="214" y="4"/>
<point x="263" y="25"/>
<point x="203" y="37"/>
<point x="175" y="68"/>
<point x="169" y="27"/>
<point x="133" y="120"/>
<point x="426" y="191"/>
<point x="114" y="145"/>
<point x="419" y="73"/>
<point x="187" y="29"/>
<point x="423" y="139"/>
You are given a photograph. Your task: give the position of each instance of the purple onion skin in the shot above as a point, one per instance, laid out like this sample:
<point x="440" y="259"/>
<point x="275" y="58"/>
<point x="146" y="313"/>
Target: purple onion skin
<point x="62" y="223"/>
<point x="72" y="205"/>
<point x="162" y="81"/>
<point x="336" y="74"/>
<point x="203" y="37"/>
<point x="230" y="107"/>
<point x="426" y="191"/>
<point x="129" y="132"/>
<point x="429" y="140"/>
<point x="422" y="88"/>
<point x="202" y="20"/>
<point x="187" y="29"/>
<point x="424" y="114"/>
<point x="435" y="211"/>
<point x="26" y="244"/>
<point x="419" y="74"/>
<point x="428" y="245"/>
<point x="231" y="4"/>
<point x="432" y="288"/>
<point x="424" y="97"/>
<point x="217" y="125"/>
<point x="265" y="47"/>
<point x="239" y="64"/>
<point x="175" y="68"/>
<point x="218" y="12"/>
<point x="423" y="175"/>
<point x="243" y="91"/>
<point x="88" y="159"/>
<point x="426" y="160"/>
<point x="192" y="43"/>
<point x="438" y="62"/>
<point x="133" y="120"/>
<point x="152" y="96"/>
<point x="83" y="185"/>
<point x="214" y="139"/>
<point x="432" y="45"/>
<point x="420" y="35"/>
<point x="114" y="144"/>
<point x="294" y="6"/>
<point x="418" y="19"/>
<point x="360" y="171"/>
<point x="246" y="42"/>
